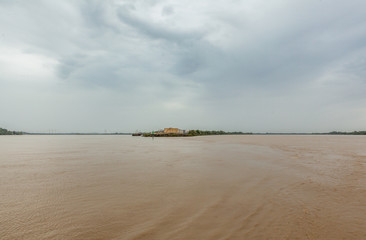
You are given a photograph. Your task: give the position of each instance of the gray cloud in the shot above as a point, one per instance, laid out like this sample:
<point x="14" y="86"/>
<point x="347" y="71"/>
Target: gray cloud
<point x="123" y="65"/>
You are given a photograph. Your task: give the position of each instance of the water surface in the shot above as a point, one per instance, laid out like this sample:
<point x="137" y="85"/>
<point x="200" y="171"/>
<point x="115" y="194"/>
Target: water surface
<point x="214" y="187"/>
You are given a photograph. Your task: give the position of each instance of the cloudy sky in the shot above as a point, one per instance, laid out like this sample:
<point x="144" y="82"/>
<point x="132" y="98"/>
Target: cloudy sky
<point x="123" y="65"/>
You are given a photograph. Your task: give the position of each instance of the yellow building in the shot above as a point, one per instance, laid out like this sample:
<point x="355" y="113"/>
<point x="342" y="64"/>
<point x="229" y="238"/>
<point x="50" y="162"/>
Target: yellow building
<point x="173" y="131"/>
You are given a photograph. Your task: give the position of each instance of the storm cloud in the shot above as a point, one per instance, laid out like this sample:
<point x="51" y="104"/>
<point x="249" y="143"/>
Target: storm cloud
<point x="87" y="66"/>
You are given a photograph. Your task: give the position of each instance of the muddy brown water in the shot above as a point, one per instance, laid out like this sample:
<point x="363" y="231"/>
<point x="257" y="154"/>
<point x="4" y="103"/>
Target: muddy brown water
<point x="214" y="187"/>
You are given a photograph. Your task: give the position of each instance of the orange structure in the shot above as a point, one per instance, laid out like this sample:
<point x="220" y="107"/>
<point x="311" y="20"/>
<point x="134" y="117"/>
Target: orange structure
<point x="173" y="131"/>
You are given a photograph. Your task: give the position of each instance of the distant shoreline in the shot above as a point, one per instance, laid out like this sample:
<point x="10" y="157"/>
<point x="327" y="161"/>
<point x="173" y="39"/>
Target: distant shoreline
<point x="77" y="134"/>
<point x="190" y="134"/>
<point x="234" y="134"/>
<point x="195" y="133"/>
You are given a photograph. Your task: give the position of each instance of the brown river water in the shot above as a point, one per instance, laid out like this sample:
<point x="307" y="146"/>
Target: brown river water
<point x="214" y="187"/>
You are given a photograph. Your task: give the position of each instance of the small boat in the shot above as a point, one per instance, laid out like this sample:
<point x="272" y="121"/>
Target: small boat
<point x="136" y="134"/>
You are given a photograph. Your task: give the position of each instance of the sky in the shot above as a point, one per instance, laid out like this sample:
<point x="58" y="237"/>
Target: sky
<point x="127" y="65"/>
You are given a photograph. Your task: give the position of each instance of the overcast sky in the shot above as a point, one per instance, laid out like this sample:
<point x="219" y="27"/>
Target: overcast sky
<point x="250" y="65"/>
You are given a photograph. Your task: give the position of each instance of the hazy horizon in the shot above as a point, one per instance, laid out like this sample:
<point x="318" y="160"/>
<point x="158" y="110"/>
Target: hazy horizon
<point x="122" y="66"/>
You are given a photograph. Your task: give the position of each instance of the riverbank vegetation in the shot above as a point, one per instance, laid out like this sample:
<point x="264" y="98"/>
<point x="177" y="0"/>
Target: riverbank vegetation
<point x="4" y="131"/>
<point x="348" y="133"/>
<point x="203" y="132"/>
<point x="192" y="133"/>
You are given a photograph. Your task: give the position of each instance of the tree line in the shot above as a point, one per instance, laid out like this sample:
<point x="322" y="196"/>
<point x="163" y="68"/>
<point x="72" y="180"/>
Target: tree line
<point x="4" y="131"/>
<point x="348" y="133"/>
<point x="192" y="133"/>
<point x="220" y="132"/>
